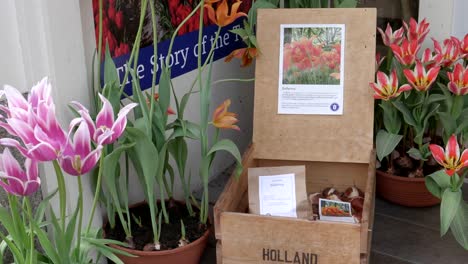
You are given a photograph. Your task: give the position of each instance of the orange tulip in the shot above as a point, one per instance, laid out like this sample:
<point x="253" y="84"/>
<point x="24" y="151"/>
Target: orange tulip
<point x="221" y="16"/>
<point x="246" y="55"/>
<point x="224" y="119"/>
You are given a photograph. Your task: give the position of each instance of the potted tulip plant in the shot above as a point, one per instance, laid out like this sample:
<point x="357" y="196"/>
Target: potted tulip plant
<point x="75" y="152"/>
<point x="446" y="184"/>
<point x="421" y="101"/>
<point x="161" y="229"/>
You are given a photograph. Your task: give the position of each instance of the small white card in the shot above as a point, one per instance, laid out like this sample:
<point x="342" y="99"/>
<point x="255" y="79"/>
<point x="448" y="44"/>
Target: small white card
<point x="335" y="211"/>
<point x="278" y="195"/>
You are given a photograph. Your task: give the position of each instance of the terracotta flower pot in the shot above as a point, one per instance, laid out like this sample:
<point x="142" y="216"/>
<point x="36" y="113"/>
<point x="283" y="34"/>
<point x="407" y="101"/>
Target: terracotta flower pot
<point x="189" y="254"/>
<point x="405" y="191"/>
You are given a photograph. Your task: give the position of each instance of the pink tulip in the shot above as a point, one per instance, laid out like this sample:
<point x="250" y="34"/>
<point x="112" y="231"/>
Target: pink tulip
<point x="78" y="158"/>
<point x="40" y="93"/>
<point x="389" y="37"/>
<point x="105" y="121"/>
<point x="450" y="158"/>
<point x="386" y="87"/>
<point x="18" y="182"/>
<point x="421" y="79"/>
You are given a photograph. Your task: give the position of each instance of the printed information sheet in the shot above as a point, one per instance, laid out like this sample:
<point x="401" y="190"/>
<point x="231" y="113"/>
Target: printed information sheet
<point x="311" y="69"/>
<point x="277" y="195"/>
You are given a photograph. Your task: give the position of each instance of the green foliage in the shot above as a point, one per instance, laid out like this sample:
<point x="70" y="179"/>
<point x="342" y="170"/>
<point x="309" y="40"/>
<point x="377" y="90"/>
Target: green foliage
<point x="385" y="143"/>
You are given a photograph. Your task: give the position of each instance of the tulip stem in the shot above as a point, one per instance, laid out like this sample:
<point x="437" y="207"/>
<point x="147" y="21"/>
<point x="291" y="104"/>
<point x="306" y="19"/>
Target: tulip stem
<point x="62" y="192"/>
<point x="98" y="190"/>
<point x="233" y="80"/>
<point x="80" y="219"/>
<point x="31" y="229"/>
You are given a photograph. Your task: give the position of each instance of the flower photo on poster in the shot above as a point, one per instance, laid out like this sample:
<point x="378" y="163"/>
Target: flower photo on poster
<point x="311" y="69"/>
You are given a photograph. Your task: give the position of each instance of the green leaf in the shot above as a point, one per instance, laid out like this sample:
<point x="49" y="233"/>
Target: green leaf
<point x="47" y="245"/>
<point x="145" y="155"/>
<point x="252" y="15"/>
<point x="385" y="143"/>
<point x="40" y="211"/>
<point x="448" y="208"/>
<point x="69" y="234"/>
<point x="406" y="112"/>
<point x="229" y="146"/>
<point x="459" y="225"/>
<point x="109" y="170"/>
<point x="142" y="109"/>
<point x="457" y="106"/>
<point x="448" y="123"/>
<point x="111" y="92"/>
<point x="165" y="91"/>
<point x="239" y="31"/>
<point x="391" y="118"/>
<point x="346" y="3"/>
<point x="12" y="247"/>
<point x="433" y="98"/>
<point x="415" y="154"/>
<point x="437" y="182"/>
<point x="110" y="71"/>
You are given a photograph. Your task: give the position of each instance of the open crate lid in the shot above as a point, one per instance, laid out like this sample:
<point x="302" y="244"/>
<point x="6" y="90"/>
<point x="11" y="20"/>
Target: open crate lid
<point x="329" y="138"/>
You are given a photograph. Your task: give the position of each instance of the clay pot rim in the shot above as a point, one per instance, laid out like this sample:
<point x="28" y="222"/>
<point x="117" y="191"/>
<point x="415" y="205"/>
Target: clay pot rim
<point x="163" y="252"/>
<point x="399" y="178"/>
<point x="160" y="252"/>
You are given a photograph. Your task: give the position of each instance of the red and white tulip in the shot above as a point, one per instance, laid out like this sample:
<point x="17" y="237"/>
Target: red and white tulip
<point x="416" y="31"/>
<point x="421" y="79"/>
<point x="406" y="52"/>
<point x="449" y="54"/>
<point x="458" y="80"/>
<point x="390" y="37"/>
<point x="386" y="87"/>
<point x="450" y="158"/>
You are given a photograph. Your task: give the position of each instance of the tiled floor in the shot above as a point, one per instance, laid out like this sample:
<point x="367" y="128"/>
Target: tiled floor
<point x="401" y="235"/>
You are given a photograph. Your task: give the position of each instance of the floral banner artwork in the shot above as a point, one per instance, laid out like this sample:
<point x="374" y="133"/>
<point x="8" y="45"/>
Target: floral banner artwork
<point x="120" y="27"/>
<point x="311" y="69"/>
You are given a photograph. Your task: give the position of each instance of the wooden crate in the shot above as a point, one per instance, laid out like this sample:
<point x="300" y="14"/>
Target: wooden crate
<point x="336" y="150"/>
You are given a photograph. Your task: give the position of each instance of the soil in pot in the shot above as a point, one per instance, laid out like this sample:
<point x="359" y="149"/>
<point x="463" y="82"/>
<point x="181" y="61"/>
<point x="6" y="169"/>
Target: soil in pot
<point x="170" y="233"/>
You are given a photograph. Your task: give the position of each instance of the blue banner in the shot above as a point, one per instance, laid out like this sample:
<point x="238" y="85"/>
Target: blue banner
<point x="184" y="54"/>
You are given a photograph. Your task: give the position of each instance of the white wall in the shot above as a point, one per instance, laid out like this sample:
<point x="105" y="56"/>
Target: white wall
<point x="460" y="18"/>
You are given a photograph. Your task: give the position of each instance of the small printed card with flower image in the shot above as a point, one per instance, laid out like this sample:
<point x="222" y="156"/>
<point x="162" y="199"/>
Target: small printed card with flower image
<point x="311" y="71"/>
<point x="336" y="211"/>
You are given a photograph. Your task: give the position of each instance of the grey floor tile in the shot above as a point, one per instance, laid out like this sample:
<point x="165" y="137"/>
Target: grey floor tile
<point x="428" y="216"/>
<point x="382" y="258"/>
<point x="415" y="243"/>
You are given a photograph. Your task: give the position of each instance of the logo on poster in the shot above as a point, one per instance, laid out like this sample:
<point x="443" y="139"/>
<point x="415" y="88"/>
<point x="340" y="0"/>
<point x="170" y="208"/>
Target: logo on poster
<point x="334" y="107"/>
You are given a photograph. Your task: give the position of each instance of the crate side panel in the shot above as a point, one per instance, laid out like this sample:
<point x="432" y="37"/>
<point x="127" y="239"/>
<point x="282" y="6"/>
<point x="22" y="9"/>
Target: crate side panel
<point x="368" y="207"/>
<point x="234" y="196"/>
<point x="258" y="239"/>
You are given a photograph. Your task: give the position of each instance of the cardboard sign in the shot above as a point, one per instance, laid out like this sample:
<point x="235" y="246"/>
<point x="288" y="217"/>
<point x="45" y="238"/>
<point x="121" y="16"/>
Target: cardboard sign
<point x="278" y="191"/>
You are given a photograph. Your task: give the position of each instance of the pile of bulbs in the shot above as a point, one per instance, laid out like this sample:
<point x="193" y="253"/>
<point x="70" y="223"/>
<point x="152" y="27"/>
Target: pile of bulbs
<point x="353" y="195"/>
